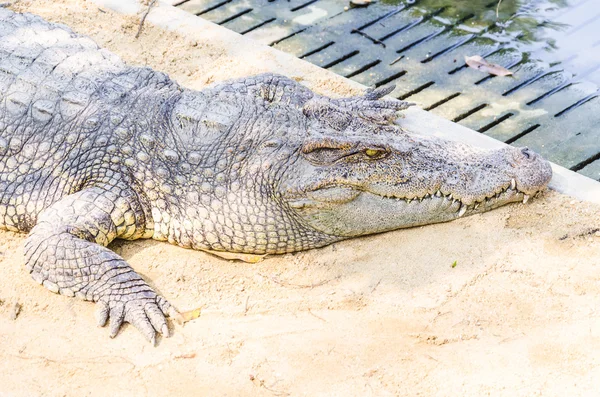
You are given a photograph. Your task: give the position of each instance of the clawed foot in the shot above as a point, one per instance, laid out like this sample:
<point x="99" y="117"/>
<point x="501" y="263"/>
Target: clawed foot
<point x="145" y="310"/>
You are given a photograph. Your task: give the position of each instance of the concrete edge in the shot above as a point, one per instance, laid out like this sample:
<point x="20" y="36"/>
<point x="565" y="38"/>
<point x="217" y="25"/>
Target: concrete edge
<point x="417" y="120"/>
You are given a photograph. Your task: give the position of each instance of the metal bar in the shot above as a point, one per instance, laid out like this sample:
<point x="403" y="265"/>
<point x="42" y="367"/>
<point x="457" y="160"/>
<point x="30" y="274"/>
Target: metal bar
<point x="522" y="133"/>
<point x="416" y="90"/>
<point x="495" y="122"/>
<point x="234" y="16"/>
<point x="268" y="21"/>
<point x="577" y="104"/>
<point x="441" y="102"/>
<point x="316" y="50"/>
<point x="363" y="69"/>
<point x="469" y="112"/>
<point x="342" y="59"/>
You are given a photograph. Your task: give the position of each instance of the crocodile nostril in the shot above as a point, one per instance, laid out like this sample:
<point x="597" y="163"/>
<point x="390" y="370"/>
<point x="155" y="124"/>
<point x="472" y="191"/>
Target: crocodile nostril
<point x="527" y="153"/>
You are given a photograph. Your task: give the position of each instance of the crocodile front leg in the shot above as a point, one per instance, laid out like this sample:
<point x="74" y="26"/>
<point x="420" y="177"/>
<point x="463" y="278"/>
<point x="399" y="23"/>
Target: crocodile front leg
<point x="66" y="252"/>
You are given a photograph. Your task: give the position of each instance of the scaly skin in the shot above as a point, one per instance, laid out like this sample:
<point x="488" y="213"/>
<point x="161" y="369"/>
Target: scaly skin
<point x="92" y="150"/>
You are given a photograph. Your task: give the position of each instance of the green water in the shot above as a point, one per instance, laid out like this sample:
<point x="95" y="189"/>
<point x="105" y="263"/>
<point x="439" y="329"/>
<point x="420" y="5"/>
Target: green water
<point x="525" y="19"/>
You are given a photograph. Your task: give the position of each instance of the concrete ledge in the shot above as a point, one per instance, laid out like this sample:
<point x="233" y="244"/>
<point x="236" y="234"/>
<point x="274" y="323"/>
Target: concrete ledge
<point x="417" y="120"/>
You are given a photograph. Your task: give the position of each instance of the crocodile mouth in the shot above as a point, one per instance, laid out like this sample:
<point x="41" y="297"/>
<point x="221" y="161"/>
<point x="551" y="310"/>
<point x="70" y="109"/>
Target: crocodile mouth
<point x="348" y="211"/>
<point x="462" y="206"/>
<point x="339" y="194"/>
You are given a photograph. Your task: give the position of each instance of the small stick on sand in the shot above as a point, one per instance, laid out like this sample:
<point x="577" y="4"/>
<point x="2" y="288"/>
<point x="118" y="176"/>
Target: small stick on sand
<point x="246" y="307"/>
<point x="144" y="18"/>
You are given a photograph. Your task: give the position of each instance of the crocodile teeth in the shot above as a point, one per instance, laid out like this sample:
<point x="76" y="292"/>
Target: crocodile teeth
<point x="476" y="206"/>
<point x="525" y="198"/>
<point x="463" y="209"/>
<point x="438" y="194"/>
<point x="513" y="184"/>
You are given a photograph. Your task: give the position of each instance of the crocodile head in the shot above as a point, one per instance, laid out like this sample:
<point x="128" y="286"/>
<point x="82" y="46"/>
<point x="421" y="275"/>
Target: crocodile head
<point x="289" y="170"/>
<point x="357" y="173"/>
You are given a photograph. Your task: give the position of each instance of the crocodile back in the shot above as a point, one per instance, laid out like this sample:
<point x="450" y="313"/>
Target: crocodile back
<point x="47" y="70"/>
<point x="56" y="88"/>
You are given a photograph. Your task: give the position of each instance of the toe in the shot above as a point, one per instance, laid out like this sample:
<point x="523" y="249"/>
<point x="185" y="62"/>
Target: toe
<point x="164" y="305"/>
<point x="137" y="317"/>
<point x="157" y="319"/>
<point x="102" y="312"/>
<point x="117" y="315"/>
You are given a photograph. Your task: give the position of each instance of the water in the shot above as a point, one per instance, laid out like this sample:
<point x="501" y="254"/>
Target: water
<point x="550" y="104"/>
<point x="527" y="19"/>
<point x="544" y="30"/>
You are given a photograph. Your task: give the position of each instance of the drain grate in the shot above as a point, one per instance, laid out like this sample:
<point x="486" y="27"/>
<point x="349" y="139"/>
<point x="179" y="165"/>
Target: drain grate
<point x="550" y="105"/>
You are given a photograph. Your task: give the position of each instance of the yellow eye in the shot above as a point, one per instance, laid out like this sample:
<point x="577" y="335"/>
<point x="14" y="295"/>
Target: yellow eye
<point x="374" y="152"/>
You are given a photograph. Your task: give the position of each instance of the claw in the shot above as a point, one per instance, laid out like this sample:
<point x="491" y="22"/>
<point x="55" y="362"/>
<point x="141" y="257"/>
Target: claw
<point x="164" y="305"/>
<point x="102" y="311"/>
<point x="143" y="309"/>
<point x="377" y="93"/>
<point x="117" y="315"/>
<point x="157" y="319"/>
<point x="138" y="317"/>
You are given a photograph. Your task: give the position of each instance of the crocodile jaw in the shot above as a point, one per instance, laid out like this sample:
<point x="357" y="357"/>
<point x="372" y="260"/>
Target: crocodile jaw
<point x="366" y="213"/>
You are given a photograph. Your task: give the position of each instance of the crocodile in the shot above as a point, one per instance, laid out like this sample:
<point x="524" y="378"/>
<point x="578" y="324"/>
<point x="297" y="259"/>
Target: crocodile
<point x="93" y="150"/>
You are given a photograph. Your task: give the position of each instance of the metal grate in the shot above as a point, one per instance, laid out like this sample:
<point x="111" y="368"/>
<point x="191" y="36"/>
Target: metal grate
<point x="551" y="104"/>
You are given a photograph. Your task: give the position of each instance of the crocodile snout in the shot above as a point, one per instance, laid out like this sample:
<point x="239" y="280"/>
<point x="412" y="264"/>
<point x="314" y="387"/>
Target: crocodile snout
<point x="532" y="172"/>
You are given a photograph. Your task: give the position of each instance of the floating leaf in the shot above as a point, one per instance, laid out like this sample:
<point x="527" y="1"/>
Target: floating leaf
<point x="360" y="3"/>
<point x="477" y="62"/>
<point x="454" y="264"/>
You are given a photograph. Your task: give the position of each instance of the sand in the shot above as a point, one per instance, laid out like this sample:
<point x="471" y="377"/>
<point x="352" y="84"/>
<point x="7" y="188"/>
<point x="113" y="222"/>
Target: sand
<point x="503" y="304"/>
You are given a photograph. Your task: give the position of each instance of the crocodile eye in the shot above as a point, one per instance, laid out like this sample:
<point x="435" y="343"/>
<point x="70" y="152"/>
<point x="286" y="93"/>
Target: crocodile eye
<point x="375" y="153"/>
